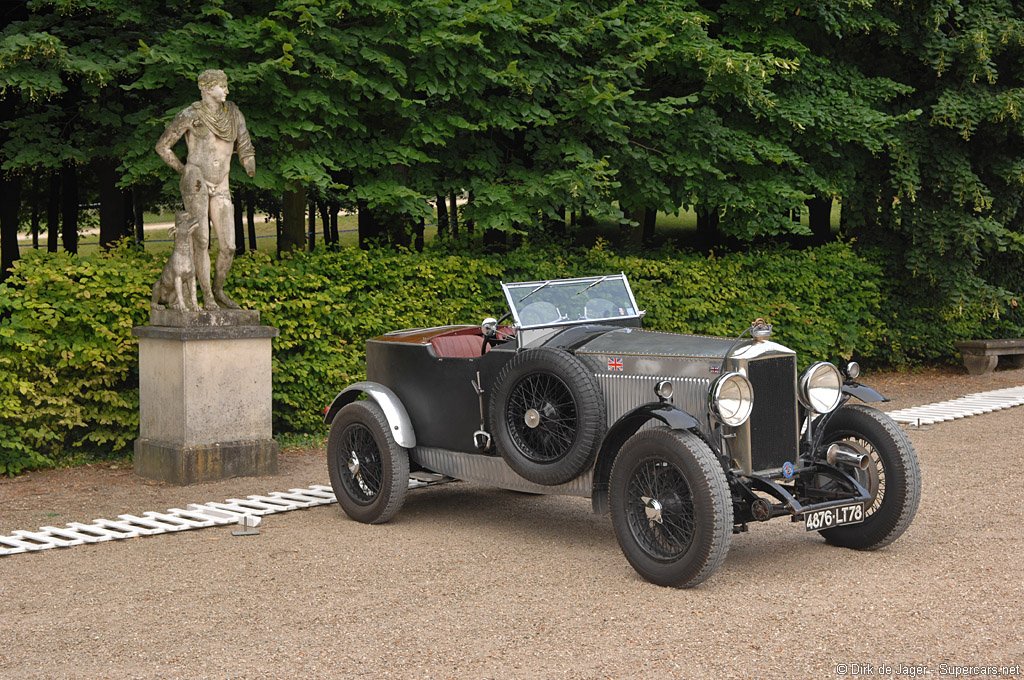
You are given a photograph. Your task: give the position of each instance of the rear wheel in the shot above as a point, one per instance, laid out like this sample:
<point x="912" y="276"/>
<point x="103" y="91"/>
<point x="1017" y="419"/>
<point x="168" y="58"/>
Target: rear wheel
<point x="893" y="476"/>
<point x="369" y="471"/>
<point x="671" y="507"/>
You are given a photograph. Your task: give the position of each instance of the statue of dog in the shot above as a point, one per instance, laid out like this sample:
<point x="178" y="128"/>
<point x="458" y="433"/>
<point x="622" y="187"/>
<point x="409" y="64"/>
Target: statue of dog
<point x="178" y="278"/>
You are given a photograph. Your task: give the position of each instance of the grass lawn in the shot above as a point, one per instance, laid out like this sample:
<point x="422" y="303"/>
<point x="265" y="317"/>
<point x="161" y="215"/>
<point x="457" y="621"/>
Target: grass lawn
<point x="678" y="227"/>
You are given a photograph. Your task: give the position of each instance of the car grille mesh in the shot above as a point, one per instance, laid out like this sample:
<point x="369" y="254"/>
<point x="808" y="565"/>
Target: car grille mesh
<point x="773" y="422"/>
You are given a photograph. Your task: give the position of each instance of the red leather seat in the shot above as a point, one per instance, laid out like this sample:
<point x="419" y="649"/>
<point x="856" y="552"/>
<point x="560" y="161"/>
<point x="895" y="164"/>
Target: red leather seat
<point x="459" y="345"/>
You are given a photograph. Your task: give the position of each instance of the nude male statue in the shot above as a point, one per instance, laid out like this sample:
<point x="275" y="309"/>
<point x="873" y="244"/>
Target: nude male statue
<point x="213" y="128"/>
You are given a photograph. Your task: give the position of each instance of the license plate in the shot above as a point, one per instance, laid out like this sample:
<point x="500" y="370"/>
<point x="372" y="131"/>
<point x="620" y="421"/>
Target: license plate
<point x="834" y="517"/>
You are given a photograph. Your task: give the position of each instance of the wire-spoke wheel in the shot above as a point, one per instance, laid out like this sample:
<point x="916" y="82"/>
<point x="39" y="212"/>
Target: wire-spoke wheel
<point x="671" y="507"/>
<point x="369" y="471"/>
<point x="547" y="415"/>
<point x="660" y="509"/>
<point x="542" y="417"/>
<point x="893" y="476"/>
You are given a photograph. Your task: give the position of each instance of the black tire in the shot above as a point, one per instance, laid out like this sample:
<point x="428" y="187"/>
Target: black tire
<point x="369" y="471"/>
<point x="565" y="408"/>
<point x="893" y="477"/>
<point x="671" y="507"/>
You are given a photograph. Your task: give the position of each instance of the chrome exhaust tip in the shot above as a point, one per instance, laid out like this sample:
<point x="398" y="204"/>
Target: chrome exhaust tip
<point x="840" y="455"/>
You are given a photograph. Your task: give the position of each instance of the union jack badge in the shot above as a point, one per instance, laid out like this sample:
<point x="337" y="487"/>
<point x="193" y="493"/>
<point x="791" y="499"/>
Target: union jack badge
<point x="614" y="364"/>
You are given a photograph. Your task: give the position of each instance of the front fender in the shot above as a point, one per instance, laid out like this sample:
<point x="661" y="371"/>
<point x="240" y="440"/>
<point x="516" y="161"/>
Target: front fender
<point x="394" y="411"/>
<point x="863" y="392"/>
<point x="624" y="428"/>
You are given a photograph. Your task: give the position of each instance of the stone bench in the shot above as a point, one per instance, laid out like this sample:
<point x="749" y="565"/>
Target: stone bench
<point x="981" y="356"/>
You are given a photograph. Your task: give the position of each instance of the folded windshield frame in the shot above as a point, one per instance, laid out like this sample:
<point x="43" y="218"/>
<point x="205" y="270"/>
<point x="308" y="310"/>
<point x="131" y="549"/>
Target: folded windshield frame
<point x="561" y="302"/>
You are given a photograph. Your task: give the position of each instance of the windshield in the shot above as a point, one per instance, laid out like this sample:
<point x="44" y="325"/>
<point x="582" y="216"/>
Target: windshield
<point x="560" y="301"/>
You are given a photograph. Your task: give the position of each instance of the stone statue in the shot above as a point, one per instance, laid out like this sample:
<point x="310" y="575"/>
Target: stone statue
<point x="213" y="128"/>
<point x="177" y="284"/>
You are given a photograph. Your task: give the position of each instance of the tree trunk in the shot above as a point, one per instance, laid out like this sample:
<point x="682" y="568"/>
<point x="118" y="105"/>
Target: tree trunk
<point x="442" y="217"/>
<point x="140" y="219"/>
<point x="239" y="218"/>
<point x="421" y="227"/>
<point x="325" y="218"/>
<point x="36" y="217"/>
<point x="112" y="215"/>
<point x="334" y="208"/>
<point x="250" y="217"/>
<point x="10" y="185"/>
<point x="708" y="233"/>
<point x="53" y="213"/>
<point x="127" y="214"/>
<point x="69" y="207"/>
<point x="277" y="230"/>
<point x="312" y="224"/>
<point x="293" y="236"/>
<point x="369" y="227"/>
<point x="633" y="236"/>
<point x="820" y="220"/>
<point x="469" y="225"/>
<point x="648" y="225"/>
<point x="10" y="189"/>
<point x="453" y="214"/>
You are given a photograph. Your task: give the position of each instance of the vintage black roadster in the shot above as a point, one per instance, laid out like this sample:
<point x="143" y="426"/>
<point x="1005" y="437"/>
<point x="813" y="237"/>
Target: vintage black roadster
<point x="685" y="439"/>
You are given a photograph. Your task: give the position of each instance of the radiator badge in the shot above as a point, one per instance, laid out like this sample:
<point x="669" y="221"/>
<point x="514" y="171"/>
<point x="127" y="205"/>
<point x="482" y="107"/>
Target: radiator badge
<point x="714" y="369"/>
<point x="788" y="470"/>
<point x="614" y="364"/>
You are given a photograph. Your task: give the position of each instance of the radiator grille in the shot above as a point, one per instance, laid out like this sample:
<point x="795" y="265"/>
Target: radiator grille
<point x="623" y="393"/>
<point x="773" y="423"/>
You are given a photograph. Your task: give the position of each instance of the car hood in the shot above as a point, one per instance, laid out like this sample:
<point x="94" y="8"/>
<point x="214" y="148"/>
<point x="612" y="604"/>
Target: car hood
<point x="636" y="342"/>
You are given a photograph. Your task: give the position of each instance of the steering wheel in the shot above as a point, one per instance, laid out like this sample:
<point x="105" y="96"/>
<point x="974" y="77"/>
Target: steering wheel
<point x="599" y="308"/>
<point x="541" y="312"/>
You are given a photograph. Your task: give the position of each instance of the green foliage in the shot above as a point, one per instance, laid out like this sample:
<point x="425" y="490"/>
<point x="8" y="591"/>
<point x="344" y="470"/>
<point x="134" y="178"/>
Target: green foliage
<point x="68" y="376"/>
<point x="949" y="199"/>
<point x="910" y="113"/>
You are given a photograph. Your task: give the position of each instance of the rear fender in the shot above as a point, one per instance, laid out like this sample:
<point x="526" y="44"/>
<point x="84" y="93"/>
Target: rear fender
<point x="394" y="411"/>
<point x="624" y="428"/>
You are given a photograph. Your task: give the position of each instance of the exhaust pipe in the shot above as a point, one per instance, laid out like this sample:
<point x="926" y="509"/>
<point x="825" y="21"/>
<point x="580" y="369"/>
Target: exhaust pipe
<point x="841" y="455"/>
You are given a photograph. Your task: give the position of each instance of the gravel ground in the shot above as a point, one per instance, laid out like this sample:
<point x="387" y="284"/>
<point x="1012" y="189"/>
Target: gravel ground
<point x="473" y="582"/>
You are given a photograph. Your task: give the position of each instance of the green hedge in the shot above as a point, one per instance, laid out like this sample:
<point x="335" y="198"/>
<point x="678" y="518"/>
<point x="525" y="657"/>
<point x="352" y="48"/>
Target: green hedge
<point x="68" y="361"/>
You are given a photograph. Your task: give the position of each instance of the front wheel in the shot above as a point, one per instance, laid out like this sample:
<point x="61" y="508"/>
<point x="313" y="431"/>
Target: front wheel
<point x="893" y="476"/>
<point x="369" y="471"/>
<point x="671" y="507"/>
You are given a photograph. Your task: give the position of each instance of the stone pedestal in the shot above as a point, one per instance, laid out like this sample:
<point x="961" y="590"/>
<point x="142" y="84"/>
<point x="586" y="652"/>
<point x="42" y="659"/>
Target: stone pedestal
<point x="204" y="396"/>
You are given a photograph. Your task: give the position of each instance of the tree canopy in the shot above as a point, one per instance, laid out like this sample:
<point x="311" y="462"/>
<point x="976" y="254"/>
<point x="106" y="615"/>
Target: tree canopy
<point x="908" y="114"/>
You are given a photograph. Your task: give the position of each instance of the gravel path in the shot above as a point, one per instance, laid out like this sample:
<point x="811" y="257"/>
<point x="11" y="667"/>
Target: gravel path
<point x="473" y="582"/>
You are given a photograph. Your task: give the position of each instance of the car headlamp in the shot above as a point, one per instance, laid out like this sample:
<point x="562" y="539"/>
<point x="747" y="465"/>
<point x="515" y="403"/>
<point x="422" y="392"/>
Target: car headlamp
<point x="821" y="387"/>
<point x="664" y="389"/>
<point x="732" y="399"/>
<point x="853" y="370"/>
